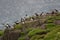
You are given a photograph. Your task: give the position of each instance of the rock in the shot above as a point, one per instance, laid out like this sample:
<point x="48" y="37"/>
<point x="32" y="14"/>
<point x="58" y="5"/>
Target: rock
<point x="11" y="35"/>
<point x="43" y="26"/>
<point x="57" y="22"/>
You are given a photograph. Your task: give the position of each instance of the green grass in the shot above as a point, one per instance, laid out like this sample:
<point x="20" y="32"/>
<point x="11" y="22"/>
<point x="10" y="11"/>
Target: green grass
<point x="36" y="37"/>
<point x="29" y="29"/>
<point x="53" y="30"/>
<point x="1" y="32"/>
<point x="35" y="31"/>
<point x="50" y="25"/>
<point x="53" y="34"/>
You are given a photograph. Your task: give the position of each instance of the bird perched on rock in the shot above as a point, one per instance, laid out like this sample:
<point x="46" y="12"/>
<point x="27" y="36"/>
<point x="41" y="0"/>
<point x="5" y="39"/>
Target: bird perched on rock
<point x="36" y="14"/>
<point x="56" y="10"/>
<point x="22" y="21"/>
<point x="26" y="17"/>
<point x="16" y="22"/>
<point x="41" y="13"/>
<point x="7" y="25"/>
<point x="31" y="19"/>
<point x="52" y="12"/>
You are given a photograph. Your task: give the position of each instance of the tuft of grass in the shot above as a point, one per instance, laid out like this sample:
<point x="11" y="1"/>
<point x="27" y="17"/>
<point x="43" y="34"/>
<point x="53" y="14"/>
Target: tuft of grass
<point x="50" y="21"/>
<point x="35" y="31"/>
<point x="36" y="37"/>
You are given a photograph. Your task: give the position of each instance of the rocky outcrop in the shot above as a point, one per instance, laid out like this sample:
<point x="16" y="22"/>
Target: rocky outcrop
<point x="11" y="35"/>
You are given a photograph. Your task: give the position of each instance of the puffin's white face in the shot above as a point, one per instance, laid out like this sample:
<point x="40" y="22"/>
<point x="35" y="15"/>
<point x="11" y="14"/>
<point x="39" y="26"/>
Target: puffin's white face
<point x="7" y="25"/>
<point x="31" y="19"/>
<point x="23" y="22"/>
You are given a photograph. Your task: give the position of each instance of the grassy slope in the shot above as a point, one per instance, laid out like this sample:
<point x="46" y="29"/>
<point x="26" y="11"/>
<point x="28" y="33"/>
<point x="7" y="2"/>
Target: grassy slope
<point x="33" y="31"/>
<point x="52" y="31"/>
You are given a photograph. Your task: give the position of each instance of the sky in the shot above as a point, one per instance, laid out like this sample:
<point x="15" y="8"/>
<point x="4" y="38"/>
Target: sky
<point x="12" y="10"/>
